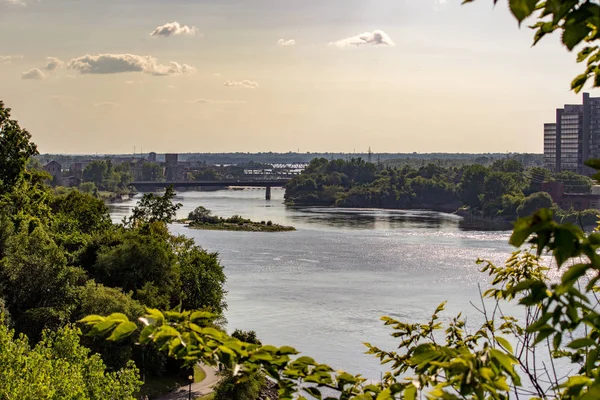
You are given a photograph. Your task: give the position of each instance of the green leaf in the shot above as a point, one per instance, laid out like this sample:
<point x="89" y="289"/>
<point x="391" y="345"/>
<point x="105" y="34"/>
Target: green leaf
<point x="92" y="319"/>
<point x="504" y="343"/>
<point x="574" y="273"/>
<point x="574" y="32"/>
<point x="122" y="331"/>
<point x="117" y="317"/>
<point x="580" y="343"/>
<point x="313" y="391"/>
<point x="578" y="83"/>
<point x="522" y="9"/>
<point x="410" y="393"/>
<point x="504" y="359"/>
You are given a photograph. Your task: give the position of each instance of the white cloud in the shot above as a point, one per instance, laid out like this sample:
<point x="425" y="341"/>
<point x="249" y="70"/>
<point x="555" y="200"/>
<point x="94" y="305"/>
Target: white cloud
<point x="9" y="59"/>
<point x="119" y="63"/>
<point x="20" y="3"/>
<point x="439" y="5"/>
<point x="283" y="42"/>
<point x="34" y="73"/>
<point x="243" y="84"/>
<point x="217" y="74"/>
<point x="207" y="101"/>
<point x="130" y="82"/>
<point x="173" y="29"/>
<point x="375" y="38"/>
<point x="52" y="64"/>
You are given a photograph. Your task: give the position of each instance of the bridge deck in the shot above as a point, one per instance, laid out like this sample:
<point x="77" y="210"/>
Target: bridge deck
<point x="237" y="183"/>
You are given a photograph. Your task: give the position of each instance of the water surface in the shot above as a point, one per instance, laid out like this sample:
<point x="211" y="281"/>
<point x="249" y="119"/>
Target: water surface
<point x="323" y="287"/>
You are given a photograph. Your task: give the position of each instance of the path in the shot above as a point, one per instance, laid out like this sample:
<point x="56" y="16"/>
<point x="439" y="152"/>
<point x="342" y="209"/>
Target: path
<point x="198" y="388"/>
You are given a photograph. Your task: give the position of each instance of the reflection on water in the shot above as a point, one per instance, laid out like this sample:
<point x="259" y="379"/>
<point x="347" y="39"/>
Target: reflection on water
<point x="323" y="287"/>
<point x="373" y="218"/>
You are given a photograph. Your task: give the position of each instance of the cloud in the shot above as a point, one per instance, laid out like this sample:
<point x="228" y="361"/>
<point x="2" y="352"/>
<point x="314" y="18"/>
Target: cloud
<point x="173" y="29"/>
<point x="439" y="4"/>
<point x="243" y="84"/>
<point x="206" y="101"/>
<point x="283" y="42"/>
<point x="9" y="59"/>
<point x="20" y="3"/>
<point x="34" y="73"/>
<point x="119" y="63"/>
<point x="375" y="38"/>
<point x="52" y="64"/>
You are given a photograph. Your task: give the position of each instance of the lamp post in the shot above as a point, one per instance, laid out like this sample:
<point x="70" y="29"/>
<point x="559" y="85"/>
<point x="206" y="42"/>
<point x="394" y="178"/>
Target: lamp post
<point x="191" y="379"/>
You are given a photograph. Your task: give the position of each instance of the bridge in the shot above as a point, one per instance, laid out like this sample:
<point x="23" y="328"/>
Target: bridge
<point x="266" y="183"/>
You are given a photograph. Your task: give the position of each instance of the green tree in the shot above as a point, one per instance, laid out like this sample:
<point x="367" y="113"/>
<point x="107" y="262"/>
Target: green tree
<point x="153" y="208"/>
<point x="143" y="263"/>
<point x="534" y="203"/>
<point x="199" y="214"/>
<point x="575" y="183"/>
<point x="202" y="279"/>
<point x="88" y="187"/>
<point x="39" y="288"/>
<point x="152" y="172"/>
<point x="58" y="367"/>
<point x="15" y="150"/>
<point x="472" y="185"/>
<point x="96" y="172"/>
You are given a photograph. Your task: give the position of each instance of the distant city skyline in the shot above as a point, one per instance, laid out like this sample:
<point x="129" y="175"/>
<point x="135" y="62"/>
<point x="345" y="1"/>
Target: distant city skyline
<point x="321" y="76"/>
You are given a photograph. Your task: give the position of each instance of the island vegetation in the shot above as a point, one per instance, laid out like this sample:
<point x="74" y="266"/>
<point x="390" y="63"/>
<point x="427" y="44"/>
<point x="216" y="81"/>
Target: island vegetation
<point x="202" y="218"/>
<point x="505" y="190"/>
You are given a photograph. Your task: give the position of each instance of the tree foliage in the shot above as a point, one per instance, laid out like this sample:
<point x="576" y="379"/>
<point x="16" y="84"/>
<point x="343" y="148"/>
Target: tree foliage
<point x="15" y="150"/>
<point x="58" y="367"/>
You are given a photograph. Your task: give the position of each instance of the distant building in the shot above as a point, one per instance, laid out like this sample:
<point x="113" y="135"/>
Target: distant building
<point x="568" y="201"/>
<point x="574" y="137"/>
<point x="152" y="157"/>
<point x="550" y="147"/>
<point x="54" y="169"/>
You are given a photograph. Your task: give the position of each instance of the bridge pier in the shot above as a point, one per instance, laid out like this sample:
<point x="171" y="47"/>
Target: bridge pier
<point x="268" y="193"/>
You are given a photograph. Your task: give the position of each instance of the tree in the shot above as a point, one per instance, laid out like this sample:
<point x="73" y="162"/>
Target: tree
<point x="96" y="172"/>
<point x="142" y="263"/>
<point x="153" y="208"/>
<point x="15" y="150"/>
<point x="575" y="183"/>
<point x="39" y="287"/>
<point x="152" y="172"/>
<point x="58" y="367"/>
<point x="88" y="187"/>
<point x="533" y="203"/>
<point x="472" y="185"/>
<point x="199" y="214"/>
<point x="202" y="280"/>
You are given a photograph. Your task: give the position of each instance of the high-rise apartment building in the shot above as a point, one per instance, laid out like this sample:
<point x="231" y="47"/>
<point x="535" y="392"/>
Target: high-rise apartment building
<point x="574" y="137"/>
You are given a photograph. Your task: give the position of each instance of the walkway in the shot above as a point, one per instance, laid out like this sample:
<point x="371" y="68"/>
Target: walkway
<point x="198" y="388"/>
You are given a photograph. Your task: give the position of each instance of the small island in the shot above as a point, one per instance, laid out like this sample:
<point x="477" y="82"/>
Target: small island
<point x="201" y="218"/>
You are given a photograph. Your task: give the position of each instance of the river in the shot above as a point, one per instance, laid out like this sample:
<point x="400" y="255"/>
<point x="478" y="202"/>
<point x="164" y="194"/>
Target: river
<point x="322" y="288"/>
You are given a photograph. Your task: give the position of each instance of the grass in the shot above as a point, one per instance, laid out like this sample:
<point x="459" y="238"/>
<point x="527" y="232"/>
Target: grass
<point x="209" y="396"/>
<point x="199" y="374"/>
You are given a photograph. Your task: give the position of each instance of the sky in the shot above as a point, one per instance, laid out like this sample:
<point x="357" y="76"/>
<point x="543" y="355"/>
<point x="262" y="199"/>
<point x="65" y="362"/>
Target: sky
<point x="108" y="76"/>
